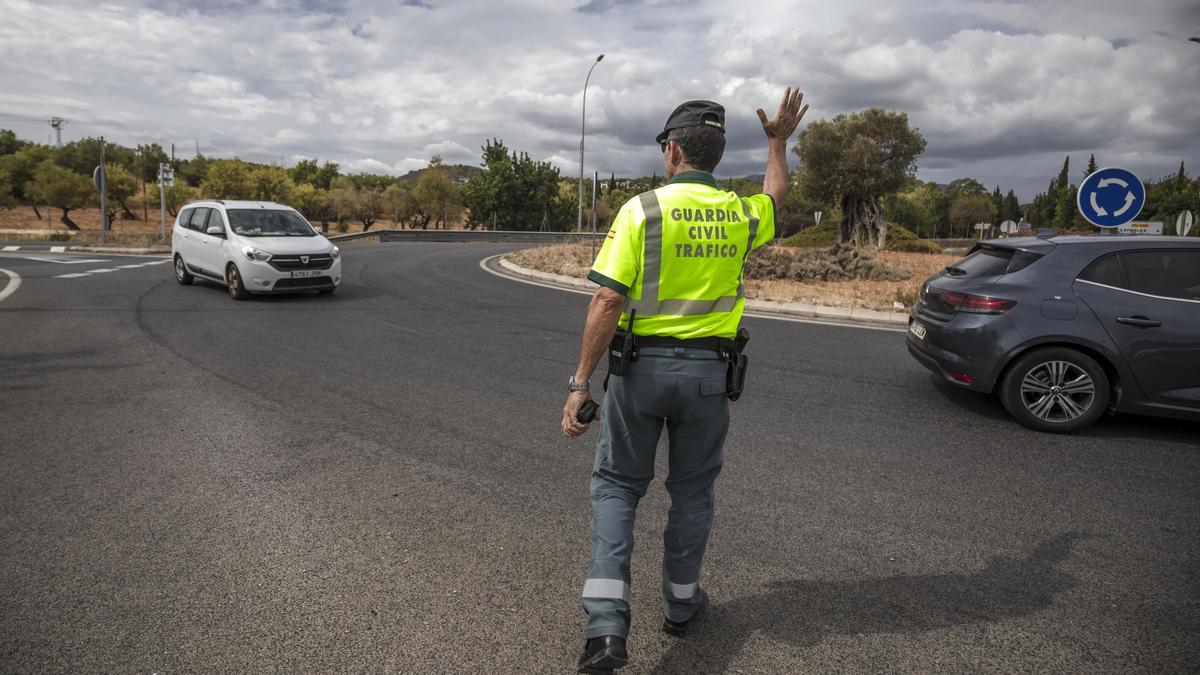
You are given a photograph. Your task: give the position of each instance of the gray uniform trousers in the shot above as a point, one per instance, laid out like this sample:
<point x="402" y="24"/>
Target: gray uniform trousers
<point x="685" y="389"/>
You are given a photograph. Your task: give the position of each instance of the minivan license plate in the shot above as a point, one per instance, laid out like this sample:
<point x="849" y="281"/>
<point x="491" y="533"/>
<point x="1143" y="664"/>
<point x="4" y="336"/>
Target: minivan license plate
<point x="301" y="274"/>
<point x="917" y="328"/>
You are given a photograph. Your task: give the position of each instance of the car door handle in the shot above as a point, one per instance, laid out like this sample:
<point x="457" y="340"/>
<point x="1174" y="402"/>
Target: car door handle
<point x="1139" y="321"/>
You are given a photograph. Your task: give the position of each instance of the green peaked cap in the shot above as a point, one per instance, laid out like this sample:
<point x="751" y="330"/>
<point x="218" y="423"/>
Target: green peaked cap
<point x="694" y="114"/>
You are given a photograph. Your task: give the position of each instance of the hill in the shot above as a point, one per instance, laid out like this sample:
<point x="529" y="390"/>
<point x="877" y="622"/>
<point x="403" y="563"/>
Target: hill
<point x="459" y="173"/>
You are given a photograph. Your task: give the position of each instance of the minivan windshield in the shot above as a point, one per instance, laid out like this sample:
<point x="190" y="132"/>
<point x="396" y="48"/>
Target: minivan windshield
<point x="268" y="223"/>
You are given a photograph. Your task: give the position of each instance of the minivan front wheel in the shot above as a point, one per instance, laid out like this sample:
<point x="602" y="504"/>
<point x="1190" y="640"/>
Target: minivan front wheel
<point x="1056" y="389"/>
<point x="233" y="283"/>
<point x="182" y="275"/>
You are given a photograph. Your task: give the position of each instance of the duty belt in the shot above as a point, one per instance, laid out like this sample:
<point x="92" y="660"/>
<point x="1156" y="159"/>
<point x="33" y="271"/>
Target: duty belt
<point x="713" y="344"/>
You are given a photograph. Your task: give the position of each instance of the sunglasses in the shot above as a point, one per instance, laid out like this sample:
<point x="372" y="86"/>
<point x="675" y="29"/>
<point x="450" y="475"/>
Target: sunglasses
<point x="664" y="145"/>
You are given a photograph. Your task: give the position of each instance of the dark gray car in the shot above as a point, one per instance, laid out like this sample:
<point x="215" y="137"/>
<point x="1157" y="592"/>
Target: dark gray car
<point x="1065" y="328"/>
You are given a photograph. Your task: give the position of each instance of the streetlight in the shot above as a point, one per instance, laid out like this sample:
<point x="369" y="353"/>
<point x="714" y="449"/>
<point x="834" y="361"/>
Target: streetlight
<point x="582" y="133"/>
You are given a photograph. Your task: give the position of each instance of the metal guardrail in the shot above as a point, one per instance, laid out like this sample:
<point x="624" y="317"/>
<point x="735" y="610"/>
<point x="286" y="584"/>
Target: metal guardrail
<point x="471" y="235"/>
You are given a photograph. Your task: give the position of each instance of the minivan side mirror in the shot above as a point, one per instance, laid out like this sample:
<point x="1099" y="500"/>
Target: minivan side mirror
<point x="215" y="229"/>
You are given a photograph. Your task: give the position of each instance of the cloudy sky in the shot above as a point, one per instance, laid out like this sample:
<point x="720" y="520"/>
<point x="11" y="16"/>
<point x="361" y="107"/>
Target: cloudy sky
<point x="1000" y="90"/>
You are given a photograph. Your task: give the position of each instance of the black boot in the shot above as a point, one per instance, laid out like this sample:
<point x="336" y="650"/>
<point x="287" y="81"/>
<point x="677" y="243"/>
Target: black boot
<point x="603" y="654"/>
<point x="680" y="628"/>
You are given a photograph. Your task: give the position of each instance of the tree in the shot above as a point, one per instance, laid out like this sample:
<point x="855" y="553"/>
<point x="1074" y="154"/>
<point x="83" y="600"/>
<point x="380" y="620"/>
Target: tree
<point x="61" y="188"/>
<point x="194" y="171"/>
<point x="399" y="204"/>
<point x="149" y="157"/>
<point x="934" y="206"/>
<point x="227" y="179"/>
<point x="1064" y="209"/>
<point x="901" y="210"/>
<point x="121" y="186"/>
<point x="271" y="183"/>
<point x="961" y="187"/>
<point x="970" y="209"/>
<point x="368" y="206"/>
<point x="314" y="203"/>
<point x="20" y="167"/>
<point x="1091" y="167"/>
<point x="1063" y="179"/>
<point x="9" y="143"/>
<point x="176" y="196"/>
<point x="855" y="160"/>
<point x="437" y="197"/>
<point x="7" y="198"/>
<point x="514" y="192"/>
<point x="1012" y="208"/>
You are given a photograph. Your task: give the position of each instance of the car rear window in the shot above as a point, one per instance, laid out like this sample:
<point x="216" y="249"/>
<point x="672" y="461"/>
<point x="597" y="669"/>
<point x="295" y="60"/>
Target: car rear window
<point x="987" y="261"/>
<point x="1171" y="274"/>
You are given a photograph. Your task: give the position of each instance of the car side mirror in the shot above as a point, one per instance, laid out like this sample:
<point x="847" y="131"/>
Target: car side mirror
<point x="215" y="229"/>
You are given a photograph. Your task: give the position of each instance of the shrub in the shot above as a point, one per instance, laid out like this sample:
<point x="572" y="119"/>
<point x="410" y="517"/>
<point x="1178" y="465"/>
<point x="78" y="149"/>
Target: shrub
<point x="906" y="297"/>
<point x="839" y="263"/>
<point x="903" y="240"/>
<point x="918" y="246"/>
<point x="821" y="235"/>
<point x="768" y="262"/>
<point x="342" y="226"/>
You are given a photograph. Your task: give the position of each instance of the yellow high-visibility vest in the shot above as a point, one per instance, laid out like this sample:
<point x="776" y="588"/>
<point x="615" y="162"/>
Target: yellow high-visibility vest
<point x="677" y="254"/>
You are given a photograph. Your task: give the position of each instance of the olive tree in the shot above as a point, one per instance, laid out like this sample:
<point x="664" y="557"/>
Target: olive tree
<point x="61" y="188"/>
<point x="856" y="160"/>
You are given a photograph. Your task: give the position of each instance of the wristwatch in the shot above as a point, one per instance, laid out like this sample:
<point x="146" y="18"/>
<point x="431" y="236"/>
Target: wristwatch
<point x="572" y="385"/>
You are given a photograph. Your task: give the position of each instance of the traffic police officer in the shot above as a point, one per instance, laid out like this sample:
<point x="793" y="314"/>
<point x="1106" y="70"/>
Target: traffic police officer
<point x="670" y="273"/>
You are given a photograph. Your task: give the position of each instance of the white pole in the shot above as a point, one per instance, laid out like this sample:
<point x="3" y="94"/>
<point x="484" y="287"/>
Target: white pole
<point x="595" y="179"/>
<point x="582" y="135"/>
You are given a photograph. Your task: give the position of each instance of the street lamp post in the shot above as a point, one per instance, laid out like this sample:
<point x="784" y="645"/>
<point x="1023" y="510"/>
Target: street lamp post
<point x="582" y="134"/>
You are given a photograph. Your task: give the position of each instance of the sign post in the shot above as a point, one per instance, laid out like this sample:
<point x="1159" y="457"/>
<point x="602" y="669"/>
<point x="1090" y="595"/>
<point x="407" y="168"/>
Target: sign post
<point x="1110" y="197"/>
<point x="166" y="179"/>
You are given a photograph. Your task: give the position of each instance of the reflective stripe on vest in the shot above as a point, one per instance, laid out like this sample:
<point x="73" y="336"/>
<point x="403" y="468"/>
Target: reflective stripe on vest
<point x="650" y="304"/>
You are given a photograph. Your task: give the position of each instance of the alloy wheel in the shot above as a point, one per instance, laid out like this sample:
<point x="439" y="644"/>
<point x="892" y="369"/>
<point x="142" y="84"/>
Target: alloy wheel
<point x="1057" y="391"/>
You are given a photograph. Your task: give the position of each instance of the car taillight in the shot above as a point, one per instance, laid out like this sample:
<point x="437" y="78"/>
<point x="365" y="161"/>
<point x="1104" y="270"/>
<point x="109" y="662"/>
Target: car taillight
<point x="975" y="304"/>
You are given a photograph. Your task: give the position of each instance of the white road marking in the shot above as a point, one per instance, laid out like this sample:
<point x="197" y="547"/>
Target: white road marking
<point x="62" y="261"/>
<point x="58" y="249"/>
<point x="14" y="282"/>
<point x="824" y="322"/>
<point x="11" y="248"/>
<point x="104" y="270"/>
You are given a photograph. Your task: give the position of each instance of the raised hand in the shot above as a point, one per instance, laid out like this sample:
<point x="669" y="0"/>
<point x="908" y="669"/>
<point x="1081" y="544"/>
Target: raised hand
<point x="787" y="118"/>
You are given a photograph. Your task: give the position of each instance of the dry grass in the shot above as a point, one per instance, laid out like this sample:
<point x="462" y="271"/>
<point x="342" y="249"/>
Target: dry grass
<point x="575" y="260"/>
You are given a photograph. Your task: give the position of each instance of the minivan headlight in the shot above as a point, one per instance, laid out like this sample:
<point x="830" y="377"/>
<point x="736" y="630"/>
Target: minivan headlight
<point x="256" y="254"/>
<point x="335" y="253"/>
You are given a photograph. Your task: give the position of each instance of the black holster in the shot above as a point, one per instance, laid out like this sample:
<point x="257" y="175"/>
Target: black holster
<point x="735" y="374"/>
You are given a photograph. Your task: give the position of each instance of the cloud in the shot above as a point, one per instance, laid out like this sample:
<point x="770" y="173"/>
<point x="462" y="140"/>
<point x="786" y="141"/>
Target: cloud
<point x="1001" y="91"/>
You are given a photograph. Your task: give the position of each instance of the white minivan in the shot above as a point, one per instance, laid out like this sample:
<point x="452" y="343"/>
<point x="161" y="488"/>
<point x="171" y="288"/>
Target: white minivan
<point x="253" y="247"/>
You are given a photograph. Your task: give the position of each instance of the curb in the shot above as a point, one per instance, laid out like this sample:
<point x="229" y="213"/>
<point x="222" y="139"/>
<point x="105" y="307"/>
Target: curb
<point x="762" y="307"/>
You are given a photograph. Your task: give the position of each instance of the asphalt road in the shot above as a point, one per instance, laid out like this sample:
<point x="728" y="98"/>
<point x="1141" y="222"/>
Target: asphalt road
<point x="376" y="480"/>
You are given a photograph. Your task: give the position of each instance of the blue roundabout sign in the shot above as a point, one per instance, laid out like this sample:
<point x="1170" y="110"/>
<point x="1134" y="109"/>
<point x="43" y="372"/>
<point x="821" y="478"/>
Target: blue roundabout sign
<point x="1111" y="197"/>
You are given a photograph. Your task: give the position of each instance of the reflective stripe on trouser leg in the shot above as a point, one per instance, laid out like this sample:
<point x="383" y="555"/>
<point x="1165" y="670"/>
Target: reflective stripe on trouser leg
<point x="697" y="428"/>
<point x="623" y="470"/>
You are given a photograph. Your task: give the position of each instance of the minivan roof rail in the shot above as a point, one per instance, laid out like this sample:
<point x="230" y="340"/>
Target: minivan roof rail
<point x="1045" y="233"/>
